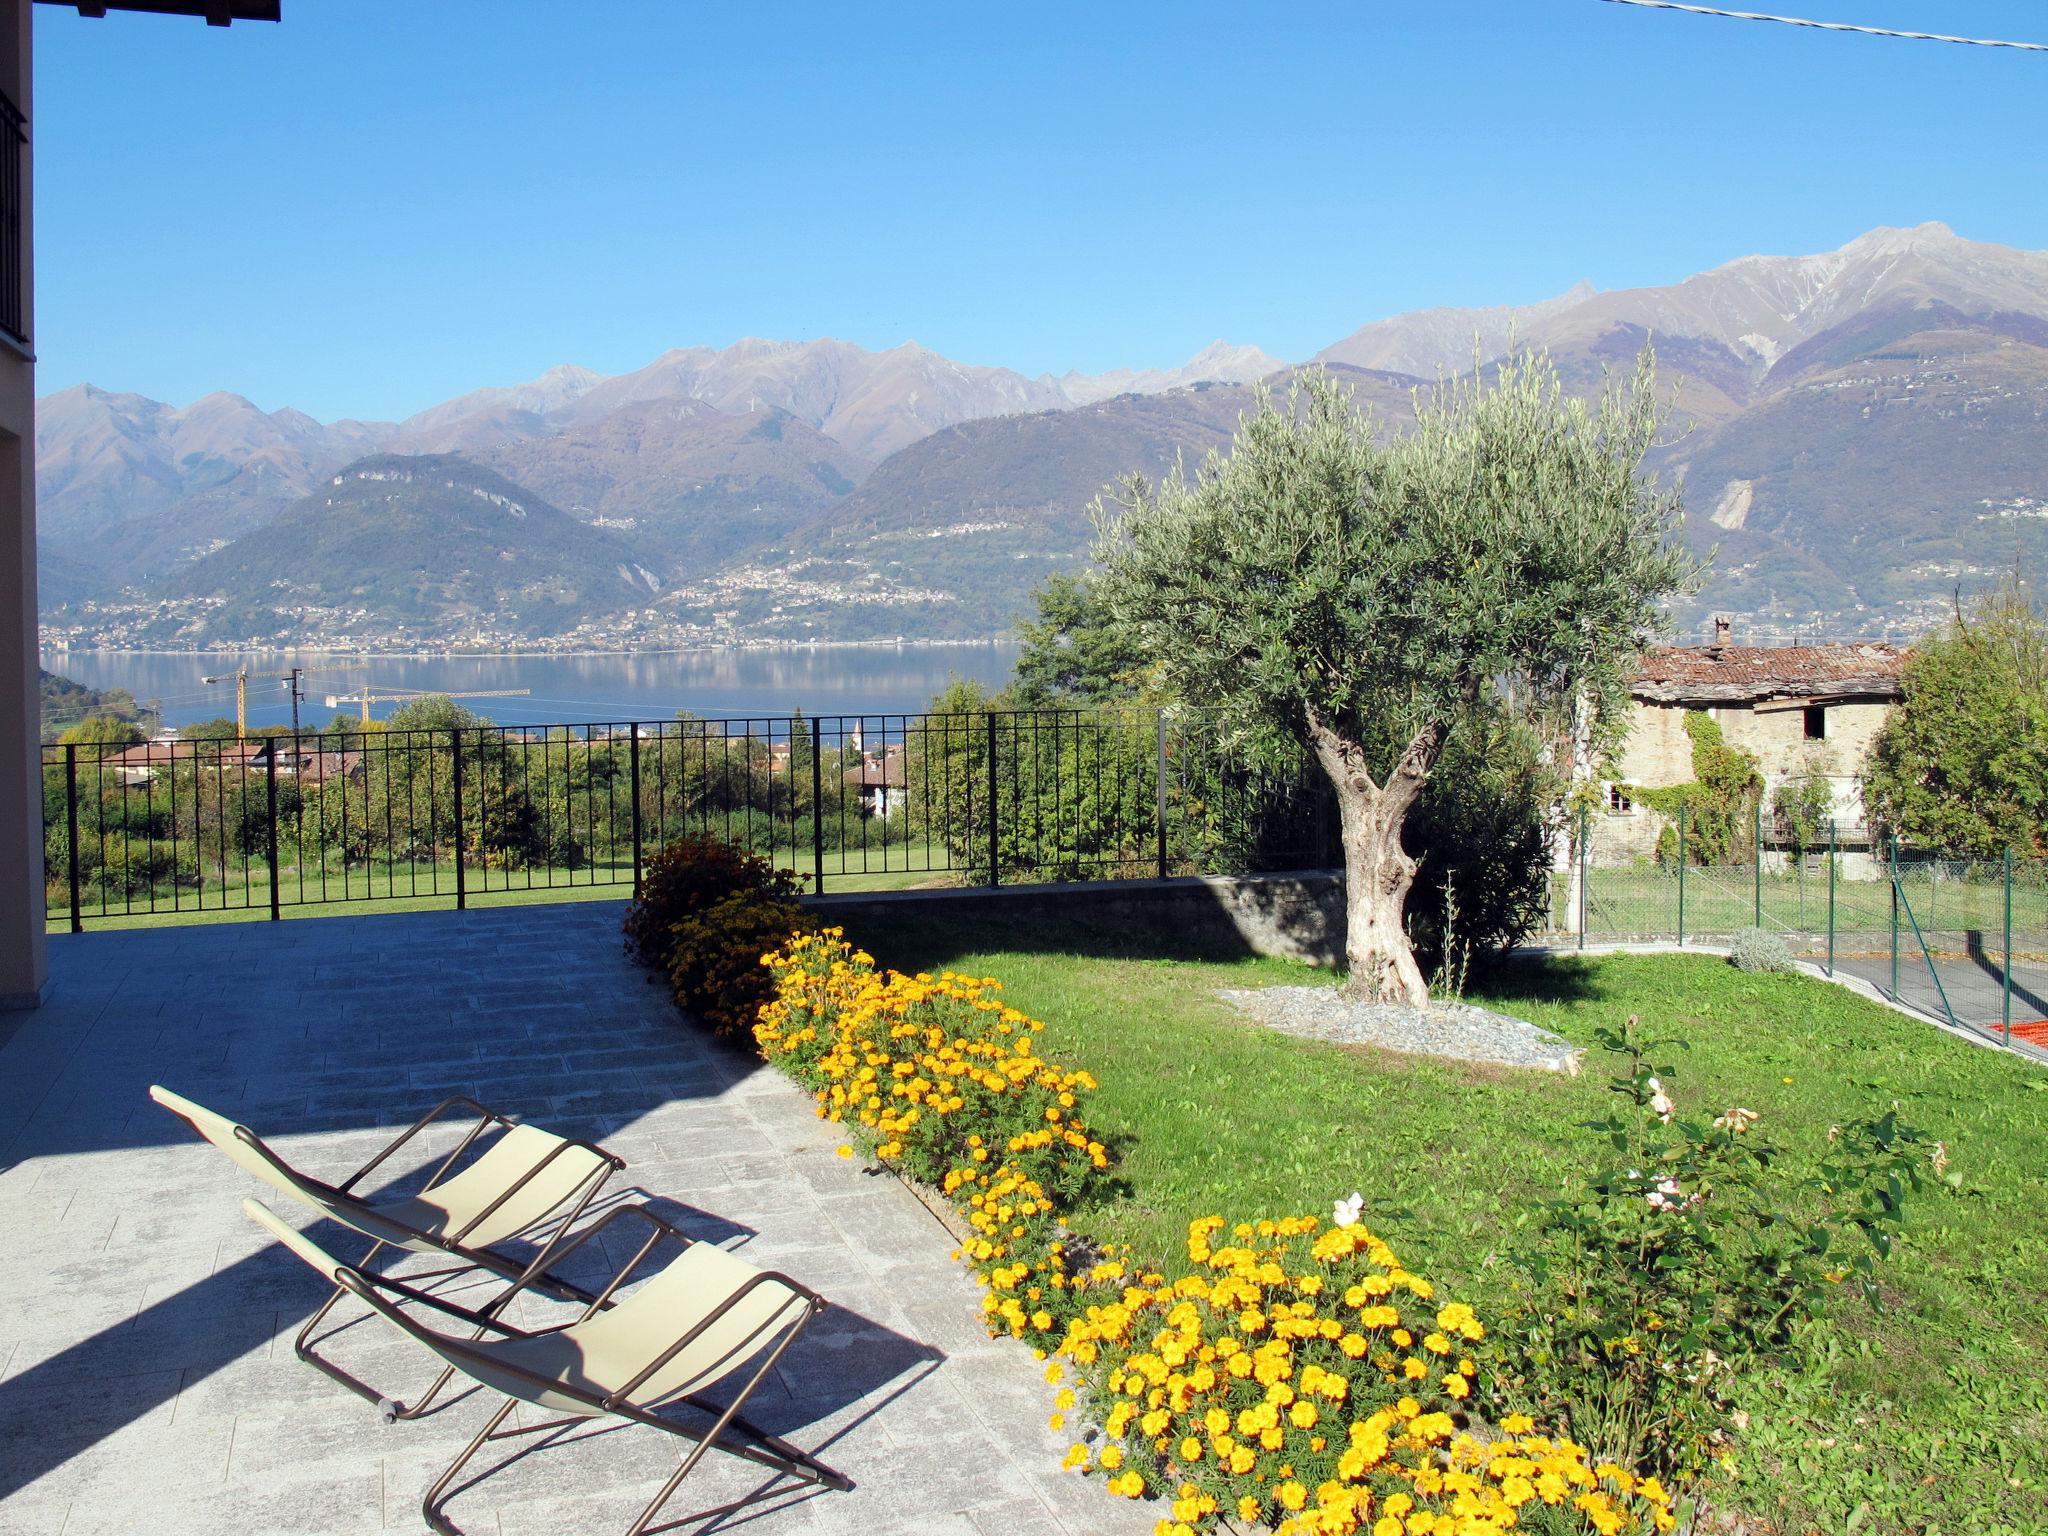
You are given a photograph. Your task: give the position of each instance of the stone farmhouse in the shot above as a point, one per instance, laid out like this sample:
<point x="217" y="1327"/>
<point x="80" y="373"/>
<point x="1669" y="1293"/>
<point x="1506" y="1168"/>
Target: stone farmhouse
<point x="1804" y="712"/>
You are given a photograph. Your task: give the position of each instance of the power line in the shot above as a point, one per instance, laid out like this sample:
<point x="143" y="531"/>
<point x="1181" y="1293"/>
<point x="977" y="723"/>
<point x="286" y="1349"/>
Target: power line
<point x="1831" y="26"/>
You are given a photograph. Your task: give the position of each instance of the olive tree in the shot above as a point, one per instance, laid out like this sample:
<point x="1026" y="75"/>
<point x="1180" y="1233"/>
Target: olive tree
<point x="1509" y="552"/>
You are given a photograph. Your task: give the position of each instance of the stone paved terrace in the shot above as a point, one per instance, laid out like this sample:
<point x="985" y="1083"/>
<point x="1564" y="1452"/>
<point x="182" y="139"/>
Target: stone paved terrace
<point x="147" y="1380"/>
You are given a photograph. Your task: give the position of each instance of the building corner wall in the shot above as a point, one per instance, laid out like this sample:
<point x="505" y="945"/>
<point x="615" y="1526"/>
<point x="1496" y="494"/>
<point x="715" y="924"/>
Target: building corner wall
<point x="24" y="956"/>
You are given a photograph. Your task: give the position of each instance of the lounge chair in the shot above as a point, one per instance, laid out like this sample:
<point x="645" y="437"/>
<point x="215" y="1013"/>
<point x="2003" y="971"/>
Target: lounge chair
<point x="526" y="1185"/>
<point x="700" y="1320"/>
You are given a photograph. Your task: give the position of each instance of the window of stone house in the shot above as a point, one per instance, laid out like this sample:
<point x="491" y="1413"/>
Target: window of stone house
<point x="1816" y="722"/>
<point x="1618" y="801"/>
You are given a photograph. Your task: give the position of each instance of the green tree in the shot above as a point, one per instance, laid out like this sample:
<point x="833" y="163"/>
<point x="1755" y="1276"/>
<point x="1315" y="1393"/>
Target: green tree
<point x="1962" y="763"/>
<point x="102" y="730"/>
<point x="1074" y="654"/>
<point x="219" y="728"/>
<point x="1509" y="551"/>
<point x="803" y="754"/>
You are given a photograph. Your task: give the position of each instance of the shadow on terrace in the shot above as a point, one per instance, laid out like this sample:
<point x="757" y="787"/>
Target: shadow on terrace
<point x="146" y="1364"/>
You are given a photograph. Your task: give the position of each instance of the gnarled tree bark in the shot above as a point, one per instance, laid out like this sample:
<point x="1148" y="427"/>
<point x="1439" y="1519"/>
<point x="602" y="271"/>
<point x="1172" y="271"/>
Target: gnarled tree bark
<point x="1378" y="871"/>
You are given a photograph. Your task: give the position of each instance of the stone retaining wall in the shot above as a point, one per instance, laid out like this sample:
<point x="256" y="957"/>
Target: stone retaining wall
<point x="1297" y="915"/>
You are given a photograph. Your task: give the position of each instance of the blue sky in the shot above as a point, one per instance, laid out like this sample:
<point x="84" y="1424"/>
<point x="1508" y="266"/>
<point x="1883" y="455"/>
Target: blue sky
<point x="381" y="203"/>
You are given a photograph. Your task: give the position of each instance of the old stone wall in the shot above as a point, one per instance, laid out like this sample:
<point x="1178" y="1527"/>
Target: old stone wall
<point x="1296" y="916"/>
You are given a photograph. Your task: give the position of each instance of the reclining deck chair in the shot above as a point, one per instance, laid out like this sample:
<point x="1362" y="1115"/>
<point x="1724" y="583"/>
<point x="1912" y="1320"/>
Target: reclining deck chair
<point x="526" y="1185"/>
<point x="698" y="1321"/>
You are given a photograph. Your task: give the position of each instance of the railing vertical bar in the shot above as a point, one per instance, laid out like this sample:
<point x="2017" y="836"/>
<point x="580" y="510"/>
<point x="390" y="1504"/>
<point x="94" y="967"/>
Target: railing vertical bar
<point x="995" y="874"/>
<point x="2006" y="957"/>
<point x="818" y="806"/>
<point x="270" y="796"/>
<point x="455" y="778"/>
<point x="1834" y="858"/>
<point x="1584" y="865"/>
<point x="71" y="830"/>
<point x="1757" y="863"/>
<point x="1892" y="869"/>
<point x="1159" y="792"/>
<point x="633" y="754"/>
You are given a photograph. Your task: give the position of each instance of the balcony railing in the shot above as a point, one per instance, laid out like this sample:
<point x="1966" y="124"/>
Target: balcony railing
<point x="849" y="802"/>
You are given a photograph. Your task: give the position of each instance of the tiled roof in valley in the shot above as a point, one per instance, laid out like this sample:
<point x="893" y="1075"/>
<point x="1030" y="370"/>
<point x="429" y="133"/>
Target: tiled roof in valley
<point x="1711" y="674"/>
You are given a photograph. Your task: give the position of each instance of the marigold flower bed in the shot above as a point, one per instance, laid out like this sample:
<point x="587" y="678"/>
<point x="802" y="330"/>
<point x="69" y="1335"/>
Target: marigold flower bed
<point x="1298" y="1376"/>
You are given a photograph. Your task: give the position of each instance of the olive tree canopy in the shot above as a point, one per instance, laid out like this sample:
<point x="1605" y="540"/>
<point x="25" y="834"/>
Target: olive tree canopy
<point x="1348" y="590"/>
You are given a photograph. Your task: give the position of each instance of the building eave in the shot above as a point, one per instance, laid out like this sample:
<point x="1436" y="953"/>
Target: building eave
<point x="217" y="13"/>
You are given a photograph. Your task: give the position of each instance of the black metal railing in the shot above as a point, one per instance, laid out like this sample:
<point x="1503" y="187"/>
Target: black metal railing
<point x="14" y="317"/>
<point x="849" y="802"/>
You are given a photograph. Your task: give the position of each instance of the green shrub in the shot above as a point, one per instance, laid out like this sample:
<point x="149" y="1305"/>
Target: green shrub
<point x="1675" y="1266"/>
<point x="716" y="955"/>
<point x="1754" y="949"/>
<point x="689" y="875"/>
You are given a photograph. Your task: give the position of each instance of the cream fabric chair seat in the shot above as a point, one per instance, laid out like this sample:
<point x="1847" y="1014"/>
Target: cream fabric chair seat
<point x="704" y="1318"/>
<point x="524" y="1184"/>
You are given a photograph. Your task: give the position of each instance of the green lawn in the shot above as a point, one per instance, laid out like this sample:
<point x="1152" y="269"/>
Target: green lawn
<point x="1929" y="1417"/>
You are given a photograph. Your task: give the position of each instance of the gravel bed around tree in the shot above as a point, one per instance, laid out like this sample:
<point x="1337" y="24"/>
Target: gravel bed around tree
<point x="1456" y="1031"/>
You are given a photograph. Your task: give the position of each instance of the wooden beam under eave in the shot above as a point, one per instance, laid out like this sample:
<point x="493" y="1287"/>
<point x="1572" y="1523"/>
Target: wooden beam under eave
<point x="216" y="13"/>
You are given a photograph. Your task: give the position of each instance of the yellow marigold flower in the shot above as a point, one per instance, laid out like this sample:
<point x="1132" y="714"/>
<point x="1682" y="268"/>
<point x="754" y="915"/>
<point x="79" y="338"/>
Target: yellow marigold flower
<point x="1247" y="1509"/>
<point x="1291" y="1495"/>
<point x="1191" y="1449"/>
<point x="1112" y="1457"/>
<point x="1303" y="1414"/>
<point x="844" y="1151"/>
<point x="1520" y="1424"/>
<point x="1064" y="1398"/>
<point x="1057" y="1421"/>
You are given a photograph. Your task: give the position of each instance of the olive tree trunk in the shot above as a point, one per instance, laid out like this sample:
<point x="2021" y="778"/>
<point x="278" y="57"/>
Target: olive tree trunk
<point x="1378" y="871"/>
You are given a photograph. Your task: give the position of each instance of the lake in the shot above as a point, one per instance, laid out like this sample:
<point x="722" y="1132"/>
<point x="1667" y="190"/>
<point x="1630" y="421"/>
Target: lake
<point x="818" y="680"/>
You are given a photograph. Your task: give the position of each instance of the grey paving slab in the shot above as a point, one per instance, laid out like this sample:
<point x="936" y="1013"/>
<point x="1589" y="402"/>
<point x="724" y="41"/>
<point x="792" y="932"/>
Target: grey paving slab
<point x="147" y="1380"/>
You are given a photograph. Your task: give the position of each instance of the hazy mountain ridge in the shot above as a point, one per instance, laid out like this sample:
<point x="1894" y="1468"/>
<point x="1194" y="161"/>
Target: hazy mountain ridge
<point x="133" y="487"/>
<point x="1859" y="431"/>
<point x="430" y="543"/>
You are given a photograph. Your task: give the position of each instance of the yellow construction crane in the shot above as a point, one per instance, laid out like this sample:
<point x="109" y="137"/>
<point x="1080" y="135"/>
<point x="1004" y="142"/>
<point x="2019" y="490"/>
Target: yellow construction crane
<point x="366" y="698"/>
<point x="241" y="677"/>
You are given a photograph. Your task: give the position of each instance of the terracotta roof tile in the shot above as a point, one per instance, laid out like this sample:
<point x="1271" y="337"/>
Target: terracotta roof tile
<point x="1723" y="673"/>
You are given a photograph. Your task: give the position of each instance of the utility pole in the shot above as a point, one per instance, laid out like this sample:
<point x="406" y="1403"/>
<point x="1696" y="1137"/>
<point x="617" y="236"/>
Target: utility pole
<point x="292" y="682"/>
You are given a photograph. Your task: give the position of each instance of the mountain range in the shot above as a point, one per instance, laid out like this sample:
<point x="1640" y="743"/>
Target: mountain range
<point x="1859" y="433"/>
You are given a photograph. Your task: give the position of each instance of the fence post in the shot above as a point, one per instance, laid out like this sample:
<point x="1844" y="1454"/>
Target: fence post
<point x="1891" y="857"/>
<point x="2006" y="963"/>
<point x="1757" y="865"/>
<point x="634" y="756"/>
<point x="1159" y="793"/>
<point x="1584" y="818"/>
<point x="270" y="796"/>
<point x="461" y="892"/>
<point x="71" y="829"/>
<point x="1832" y="855"/>
<point x="818" y="806"/>
<point x="995" y="873"/>
<point x="1683" y="818"/>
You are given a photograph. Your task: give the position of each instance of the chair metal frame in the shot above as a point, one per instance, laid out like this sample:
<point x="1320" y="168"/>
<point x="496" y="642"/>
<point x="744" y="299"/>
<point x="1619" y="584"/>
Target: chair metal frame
<point x="340" y="1201"/>
<point x="730" y="1431"/>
